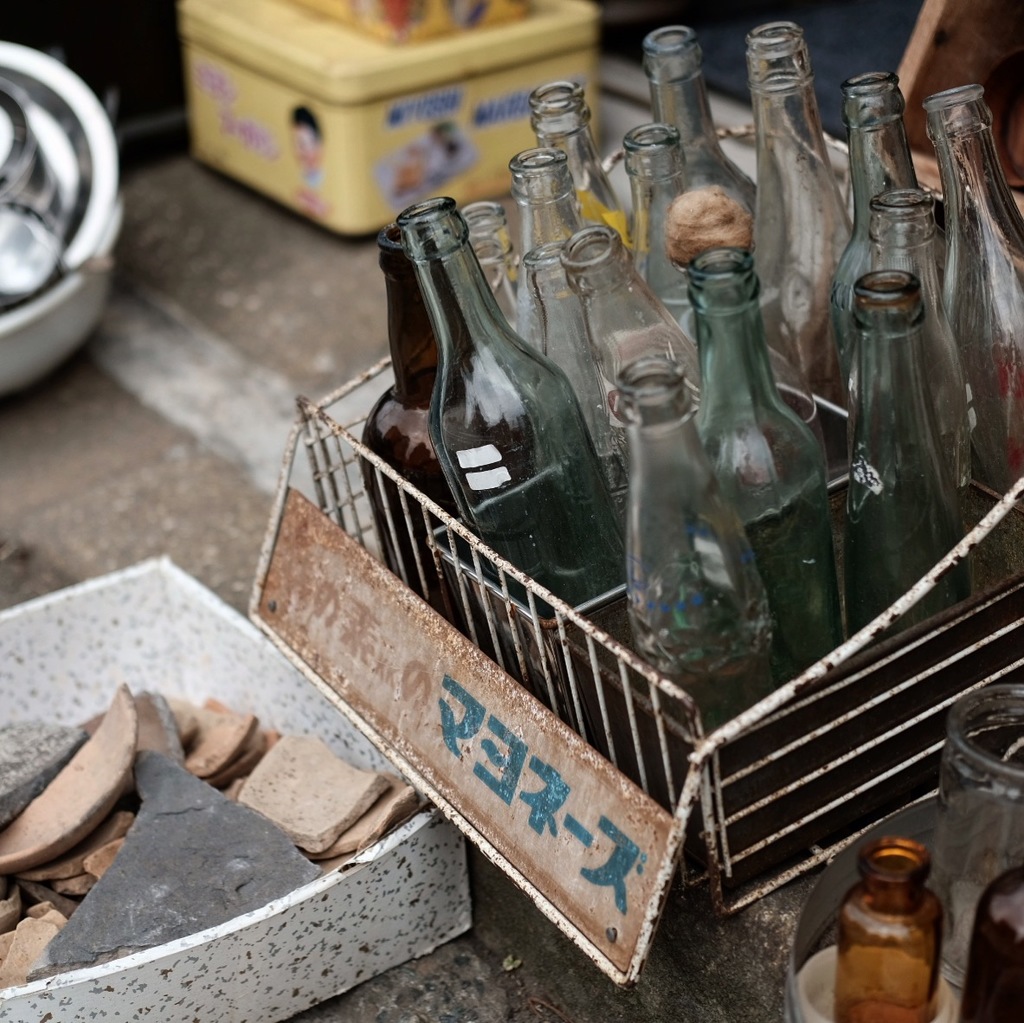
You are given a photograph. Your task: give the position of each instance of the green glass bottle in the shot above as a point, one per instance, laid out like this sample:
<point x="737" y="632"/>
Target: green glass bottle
<point x="879" y="161"/>
<point x="697" y="606"/>
<point x="768" y="463"/>
<point x="506" y="425"/>
<point x="902" y="514"/>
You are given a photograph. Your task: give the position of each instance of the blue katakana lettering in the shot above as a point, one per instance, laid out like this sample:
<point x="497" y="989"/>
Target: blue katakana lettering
<point x="545" y="803"/>
<point x="473" y="718"/>
<point x="510" y="764"/>
<point x="619" y="864"/>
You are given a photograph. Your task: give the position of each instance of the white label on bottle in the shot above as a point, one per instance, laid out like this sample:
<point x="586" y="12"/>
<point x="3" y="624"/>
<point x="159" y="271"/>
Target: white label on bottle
<point x="472" y="458"/>
<point x="488" y="479"/>
<point x="866" y="475"/>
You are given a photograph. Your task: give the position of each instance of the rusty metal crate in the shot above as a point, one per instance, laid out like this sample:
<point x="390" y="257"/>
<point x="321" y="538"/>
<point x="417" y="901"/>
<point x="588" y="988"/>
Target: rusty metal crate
<point x="770" y="794"/>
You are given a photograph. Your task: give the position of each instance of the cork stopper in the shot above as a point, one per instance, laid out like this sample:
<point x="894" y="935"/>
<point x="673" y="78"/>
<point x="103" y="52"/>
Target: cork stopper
<point x="705" y="218"/>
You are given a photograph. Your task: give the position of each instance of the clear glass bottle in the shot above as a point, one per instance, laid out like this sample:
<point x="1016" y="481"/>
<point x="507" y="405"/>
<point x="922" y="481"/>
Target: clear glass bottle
<point x="696" y="603"/>
<point x="397" y="427"/>
<point x="768" y="463"/>
<point x="506" y="425"/>
<point x="560" y="117"/>
<point x="672" y="62"/>
<point x="625" y="319"/>
<point x="801" y="225"/>
<point x="879" y="161"/>
<point x="902" y="514"/>
<point x="994" y="987"/>
<point x="902" y="234"/>
<point x="551" y="321"/>
<point x="489" y="235"/>
<point x="654" y="167"/>
<point x="545" y="195"/>
<point x="983" y="282"/>
<point x="889" y="938"/>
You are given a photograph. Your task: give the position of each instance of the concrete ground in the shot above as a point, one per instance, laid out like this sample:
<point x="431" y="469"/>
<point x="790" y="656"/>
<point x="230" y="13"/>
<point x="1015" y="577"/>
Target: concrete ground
<point x="164" y="435"/>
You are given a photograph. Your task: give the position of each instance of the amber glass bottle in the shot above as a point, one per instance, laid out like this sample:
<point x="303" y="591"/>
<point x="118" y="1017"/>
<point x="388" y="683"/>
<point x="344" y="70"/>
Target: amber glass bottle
<point x="396" y="428"/>
<point x="994" y="986"/>
<point x="890" y="936"/>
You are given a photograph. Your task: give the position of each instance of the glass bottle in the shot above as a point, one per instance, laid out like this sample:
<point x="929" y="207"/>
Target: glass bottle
<point x="560" y="117"/>
<point x="397" y="429"/>
<point x="994" y="985"/>
<point x="983" y="282"/>
<point x="768" y="463"/>
<point x="489" y="235"/>
<point x="654" y="167"/>
<point x="696" y="603"/>
<point x="625" y="319"/>
<point x="902" y="514"/>
<point x="889" y="938"/>
<point x="879" y="161"/>
<point x="902" y="233"/>
<point x="801" y="225"/>
<point x="551" y="321"/>
<point x="543" y="190"/>
<point x="506" y="426"/>
<point x="672" y="62"/>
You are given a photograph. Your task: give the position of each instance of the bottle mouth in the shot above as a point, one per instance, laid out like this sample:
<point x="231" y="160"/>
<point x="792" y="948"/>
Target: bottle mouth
<point x="590" y="247"/>
<point x="777" y="57"/>
<point x="671" y="54"/>
<point x="432" y="228"/>
<point x="653" y="149"/>
<point x="961" y="110"/>
<point x="540" y="173"/>
<point x="872" y="100"/>
<point x="884" y="292"/>
<point x="654" y="390"/>
<point x="727" y="272"/>
<point x="544" y="257"/>
<point x="985" y="727"/>
<point x="895" y="860"/>
<point x="561" y="103"/>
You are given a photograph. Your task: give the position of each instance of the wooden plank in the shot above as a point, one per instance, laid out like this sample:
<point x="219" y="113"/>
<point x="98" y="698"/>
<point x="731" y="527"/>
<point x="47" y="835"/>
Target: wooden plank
<point x="578" y="830"/>
<point x="960" y="42"/>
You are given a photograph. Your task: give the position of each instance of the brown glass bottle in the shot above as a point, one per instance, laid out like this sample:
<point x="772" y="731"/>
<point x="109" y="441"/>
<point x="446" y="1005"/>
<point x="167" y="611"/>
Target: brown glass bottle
<point x="994" y="985"/>
<point x="396" y="428"/>
<point x="890" y="935"/>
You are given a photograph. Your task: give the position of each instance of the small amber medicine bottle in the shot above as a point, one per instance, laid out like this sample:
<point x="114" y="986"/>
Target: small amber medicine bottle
<point x="890" y="934"/>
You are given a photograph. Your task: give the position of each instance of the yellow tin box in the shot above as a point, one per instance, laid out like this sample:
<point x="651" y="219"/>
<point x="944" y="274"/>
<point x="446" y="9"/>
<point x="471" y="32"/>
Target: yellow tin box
<point x="348" y="130"/>
<point x="409" y="21"/>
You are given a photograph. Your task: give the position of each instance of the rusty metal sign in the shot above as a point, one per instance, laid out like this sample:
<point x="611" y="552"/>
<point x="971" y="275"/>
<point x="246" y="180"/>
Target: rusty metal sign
<point x="593" y="850"/>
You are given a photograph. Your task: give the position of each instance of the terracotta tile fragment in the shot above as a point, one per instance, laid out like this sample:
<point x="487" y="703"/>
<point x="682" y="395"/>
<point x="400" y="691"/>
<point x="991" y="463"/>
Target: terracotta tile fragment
<point x="30" y="938"/>
<point x="185" y="718"/>
<point x="73" y="861"/>
<point x="96" y="863"/>
<point x="247" y="759"/>
<point x="398" y="803"/>
<point x="45" y="911"/>
<point x="74" y="887"/>
<point x="10" y="910"/>
<point x="217" y="746"/>
<point x="310" y="792"/>
<point x="81" y="795"/>
<point x="32" y="893"/>
<point x="234" y="788"/>
<point x="6" y="940"/>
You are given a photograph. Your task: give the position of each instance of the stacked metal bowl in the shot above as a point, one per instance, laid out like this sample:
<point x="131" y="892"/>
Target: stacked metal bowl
<point x="60" y="213"/>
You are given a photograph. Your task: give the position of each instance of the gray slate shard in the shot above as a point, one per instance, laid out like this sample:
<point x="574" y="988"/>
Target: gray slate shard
<point x="193" y="859"/>
<point x="32" y="754"/>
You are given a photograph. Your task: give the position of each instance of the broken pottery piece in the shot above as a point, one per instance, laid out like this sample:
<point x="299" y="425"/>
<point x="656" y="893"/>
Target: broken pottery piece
<point x="74" y="887"/>
<point x="185" y="719"/>
<point x="45" y="911"/>
<point x="6" y="940"/>
<point x="177" y="873"/>
<point x="399" y="802"/>
<point x="79" y="797"/>
<point x="10" y="910"/>
<point x="30" y="939"/>
<point x="99" y="862"/>
<point x="72" y="862"/>
<point x="242" y="764"/>
<point x="31" y="755"/>
<point x="220" y="742"/>
<point x="234" y="788"/>
<point x="33" y="893"/>
<point x="309" y="791"/>
<point x="158" y="729"/>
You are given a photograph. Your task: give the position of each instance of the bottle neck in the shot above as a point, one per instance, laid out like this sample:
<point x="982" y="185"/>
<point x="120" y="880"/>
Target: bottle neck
<point x="684" y="103"/>
<point x="543" y="221"/>
<point x="410" y="336"/>
<point x="879" y="161"/>
<point x="902" y="235"/>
